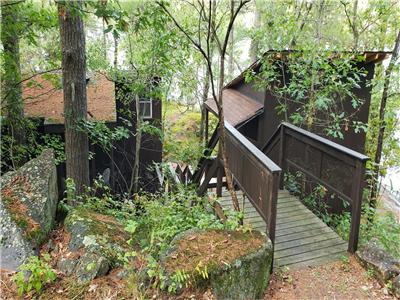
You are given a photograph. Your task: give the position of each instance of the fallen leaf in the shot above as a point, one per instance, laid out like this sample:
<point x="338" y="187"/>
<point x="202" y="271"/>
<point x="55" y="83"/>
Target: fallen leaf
<point x="92" y="287"/>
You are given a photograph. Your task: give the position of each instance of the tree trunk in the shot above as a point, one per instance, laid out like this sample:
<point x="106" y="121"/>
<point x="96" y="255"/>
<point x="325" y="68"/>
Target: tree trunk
<point x="382" y="123"/>
<point x="104" y="40"/>
<point x="254" y="46"/>
<point x="115" y="52"/>
<point x="356" y="34"/>
<point x="206" y="89"/>
<point x="231" y="47"/>
<point x="222" y="145"/>
<point x="11" y="78"/>
<point x="136" y="163"/>
<point x="74" y="86"/>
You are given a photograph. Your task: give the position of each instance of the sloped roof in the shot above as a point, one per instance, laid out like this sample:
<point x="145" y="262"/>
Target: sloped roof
<point x="44" y="99"/>
<point x="238" y="108"/>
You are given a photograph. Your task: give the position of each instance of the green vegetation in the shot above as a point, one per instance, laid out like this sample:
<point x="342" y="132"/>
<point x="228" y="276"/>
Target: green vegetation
<point x="163" y="217"/>
<point x="34" y="274"/>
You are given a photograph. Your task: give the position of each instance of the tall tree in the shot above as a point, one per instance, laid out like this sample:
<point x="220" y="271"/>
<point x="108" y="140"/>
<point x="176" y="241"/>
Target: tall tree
<point x="255" y="44"/>
<point x="217" y="84"/>
<point x="74" y="86"/>
<point x="11" y="74"/>
<point x="382" y="112"/>
<point x="206" y="86"/>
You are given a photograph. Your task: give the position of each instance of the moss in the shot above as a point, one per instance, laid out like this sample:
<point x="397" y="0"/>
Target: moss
<point x="235" y="264"/>
<point x="97" y="233"/>
<point x="18" y="213"/>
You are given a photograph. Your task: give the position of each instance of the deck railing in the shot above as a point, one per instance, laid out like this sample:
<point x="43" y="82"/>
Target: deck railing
<point x="339" y="169"/>
<point x="255" y="174"/>
<point x="252" y="171"/>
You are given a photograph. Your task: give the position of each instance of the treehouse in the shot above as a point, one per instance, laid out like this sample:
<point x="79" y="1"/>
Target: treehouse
<point x="107" y="104"/>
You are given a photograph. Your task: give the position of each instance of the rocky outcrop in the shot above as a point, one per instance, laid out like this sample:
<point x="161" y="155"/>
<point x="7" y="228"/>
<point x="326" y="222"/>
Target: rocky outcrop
<point x="373" y="256"/>
<point x="28" y="206"/>
<point x="235" y="264"/>
<point x="97" y="244"/>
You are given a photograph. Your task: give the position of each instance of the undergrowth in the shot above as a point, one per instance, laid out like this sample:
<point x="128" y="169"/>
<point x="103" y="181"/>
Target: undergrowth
<point x="34" y="274"/>
<point x="161" y="218"/>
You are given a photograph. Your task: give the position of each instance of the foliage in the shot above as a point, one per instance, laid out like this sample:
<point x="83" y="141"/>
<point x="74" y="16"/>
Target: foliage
<point x="181" y="143"/>
<point x="161" y="218"/>
<point x="34" y="274"/>
<point x="317" y="85"/>
<point x="99" y="198"/>
<point x="12" y="155"/>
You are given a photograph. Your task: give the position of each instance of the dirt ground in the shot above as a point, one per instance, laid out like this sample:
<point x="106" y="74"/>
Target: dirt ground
<point x="337" y="280"/>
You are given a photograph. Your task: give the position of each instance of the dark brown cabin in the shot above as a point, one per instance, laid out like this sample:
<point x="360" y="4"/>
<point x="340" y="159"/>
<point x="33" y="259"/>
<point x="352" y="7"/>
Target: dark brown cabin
<point x="253" y="111"/>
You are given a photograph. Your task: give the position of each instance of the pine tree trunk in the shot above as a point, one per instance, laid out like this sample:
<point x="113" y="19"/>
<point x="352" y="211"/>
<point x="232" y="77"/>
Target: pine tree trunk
<point x="74" y="86"/>
<point x="11" y="78"/>
<point x="382" y="123"/>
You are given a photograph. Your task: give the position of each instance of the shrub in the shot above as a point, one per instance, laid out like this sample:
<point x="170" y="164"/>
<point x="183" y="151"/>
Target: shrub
<point x="34" y="274"/>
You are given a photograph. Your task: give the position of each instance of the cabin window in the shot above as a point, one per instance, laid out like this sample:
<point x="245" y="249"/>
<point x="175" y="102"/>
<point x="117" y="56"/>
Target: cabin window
<point x="146" y="108"/>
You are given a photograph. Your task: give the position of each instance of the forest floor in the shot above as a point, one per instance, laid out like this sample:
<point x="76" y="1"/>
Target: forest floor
<point x="338" y="280"/>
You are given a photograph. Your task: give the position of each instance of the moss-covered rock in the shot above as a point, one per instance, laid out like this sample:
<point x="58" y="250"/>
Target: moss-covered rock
<point x="374" y="256"/>
<point x="235" y="264"/>
<point x="97" y="244"/>
<point x="28" y="206"/>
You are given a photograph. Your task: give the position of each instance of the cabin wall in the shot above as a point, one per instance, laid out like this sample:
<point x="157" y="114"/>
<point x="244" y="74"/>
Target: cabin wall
<point x="269" y="120"/>
<point x="122" y="154"/>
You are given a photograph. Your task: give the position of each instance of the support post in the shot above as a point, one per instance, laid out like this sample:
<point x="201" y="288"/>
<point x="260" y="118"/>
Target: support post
<point x="282" y="156"/>
<point x="207" y="127"/>
<point x="220" y="172"/>
<point x="357" y="192"/>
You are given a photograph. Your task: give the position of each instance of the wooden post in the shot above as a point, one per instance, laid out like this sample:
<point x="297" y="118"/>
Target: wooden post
<point x="220" y="171"/>
<point x="207" y="127"/>
<point x="273" y="208"/>
<point x="282" y="156"/>
<point x="357" y="192"/>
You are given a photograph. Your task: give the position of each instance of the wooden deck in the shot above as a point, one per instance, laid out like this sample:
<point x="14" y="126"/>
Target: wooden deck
<point x="302" y="239"/>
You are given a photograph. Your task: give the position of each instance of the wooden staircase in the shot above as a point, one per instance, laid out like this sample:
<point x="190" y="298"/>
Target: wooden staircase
<point x="301" y="239"/>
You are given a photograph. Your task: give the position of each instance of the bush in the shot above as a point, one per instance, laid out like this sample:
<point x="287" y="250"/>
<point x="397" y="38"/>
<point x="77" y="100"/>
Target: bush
<point x="34" y="274"/>
<point x="161" y="218"/>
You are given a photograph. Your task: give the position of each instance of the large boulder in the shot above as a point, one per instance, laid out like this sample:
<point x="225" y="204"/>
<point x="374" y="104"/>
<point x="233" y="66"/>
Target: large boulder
<point x="235" y="264"/>
<point x="373" y="256"/>
<point x="28" y="205"/>
<point x="97" y="243"/>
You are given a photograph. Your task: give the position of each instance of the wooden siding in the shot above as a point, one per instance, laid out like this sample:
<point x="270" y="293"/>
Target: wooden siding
<point x="269" y="119"/>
